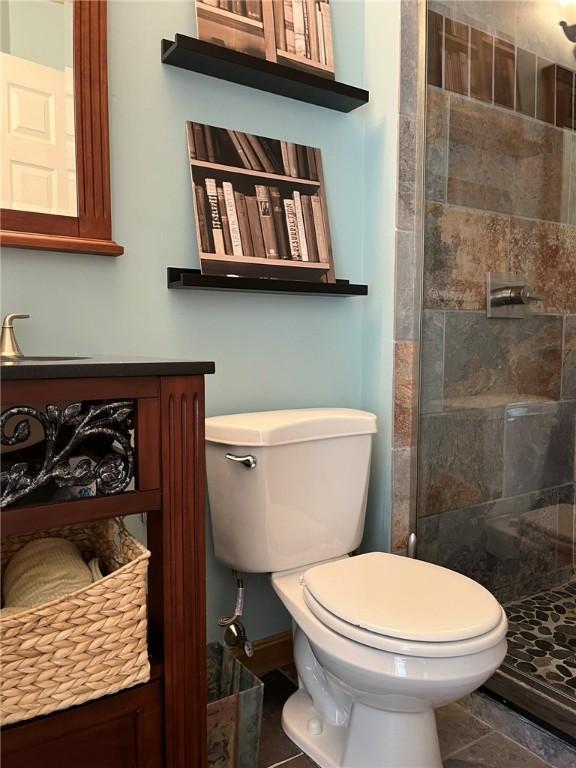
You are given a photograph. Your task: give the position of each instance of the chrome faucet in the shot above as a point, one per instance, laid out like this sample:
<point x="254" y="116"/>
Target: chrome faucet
<point x="8" y="345"/>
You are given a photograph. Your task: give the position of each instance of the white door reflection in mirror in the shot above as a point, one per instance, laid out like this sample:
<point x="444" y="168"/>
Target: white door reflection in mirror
<point x="37" y="105"/>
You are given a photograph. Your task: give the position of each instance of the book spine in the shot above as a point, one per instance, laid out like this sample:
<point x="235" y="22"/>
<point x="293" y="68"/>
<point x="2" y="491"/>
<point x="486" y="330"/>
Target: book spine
<point x="237" y="7"/>
<point x="267" y="221"/>
<point x="225" y="222"/>
<point x="239" y="150"/>
<point x="279" y="24"/>
<point x="310" y="229"/>
<point x="248" y="151"/>
<point x="209" y="138"/>
<point x="289" y="26"/>
<point x="272" y="155"/>
<point x="246" y="238"/>
<point x="292" y="227"/>
<point x="254" y="9"/>
<point x="292" y="159"/>
<point x="312" y="30"/>
<point x="255" y="228"/>
<point x="285" y="159"/>
<point x="327" y="28"/>
<point x="299" y="32"/>
<point x="228" y="190"/>
<point x="312" y="164"/>
<point x="199" y="142"/>
<point x="306" y="28"/>
<point x="302" y="161"/>
<point x="320" y="27"/>
<point x="191" y="142"/>
<point x="226" y="5"/>
<point x="258" y="149"/>
<point x="215" y="220"/>
<point x="321" y="240"/>
<point x="300" y="225"/>
<point x="278" y="214"/>
<point x="201" y="219"/>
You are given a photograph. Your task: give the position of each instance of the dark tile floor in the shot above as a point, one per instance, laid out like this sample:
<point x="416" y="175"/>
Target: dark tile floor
<point x="465" y="741"/>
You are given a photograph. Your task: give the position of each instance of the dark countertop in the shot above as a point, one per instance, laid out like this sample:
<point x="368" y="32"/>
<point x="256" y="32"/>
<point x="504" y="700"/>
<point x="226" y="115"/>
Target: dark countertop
<point x="98" y="367"/>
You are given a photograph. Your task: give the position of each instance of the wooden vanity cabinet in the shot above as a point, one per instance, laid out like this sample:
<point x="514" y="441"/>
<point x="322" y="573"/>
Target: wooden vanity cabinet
<point x="162" y="722"/>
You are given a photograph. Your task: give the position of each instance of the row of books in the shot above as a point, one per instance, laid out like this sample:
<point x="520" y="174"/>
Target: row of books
<point x="264" y="225"/>
<point x="252" y="152"/>
<point x="304" y="27"/>
<point x="251" y="9"/>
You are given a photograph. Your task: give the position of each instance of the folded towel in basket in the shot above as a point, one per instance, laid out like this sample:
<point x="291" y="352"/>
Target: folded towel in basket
<point x="44" y="570"/>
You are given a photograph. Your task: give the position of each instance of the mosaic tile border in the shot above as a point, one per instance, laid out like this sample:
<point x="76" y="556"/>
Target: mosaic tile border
<point x="468" y="61"/>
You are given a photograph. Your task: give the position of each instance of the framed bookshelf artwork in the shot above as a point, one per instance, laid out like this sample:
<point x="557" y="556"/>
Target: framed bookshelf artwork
<point x="260" y="206"/>
<point x="297" y="33"/>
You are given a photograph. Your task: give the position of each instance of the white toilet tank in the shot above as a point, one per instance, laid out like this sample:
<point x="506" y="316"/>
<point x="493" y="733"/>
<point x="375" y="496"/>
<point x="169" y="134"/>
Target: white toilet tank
<point x="296" y="493"/>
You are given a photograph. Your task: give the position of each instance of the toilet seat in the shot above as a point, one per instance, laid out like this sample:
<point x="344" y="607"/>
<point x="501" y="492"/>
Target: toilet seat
<point x="378" y="600"/>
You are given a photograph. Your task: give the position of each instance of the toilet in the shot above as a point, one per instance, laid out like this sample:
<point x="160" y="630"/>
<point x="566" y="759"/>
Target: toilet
<point x="380" y="641"/>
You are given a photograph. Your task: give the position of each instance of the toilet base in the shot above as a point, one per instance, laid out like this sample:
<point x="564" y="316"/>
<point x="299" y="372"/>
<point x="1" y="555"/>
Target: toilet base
<point x="374" y="738"/>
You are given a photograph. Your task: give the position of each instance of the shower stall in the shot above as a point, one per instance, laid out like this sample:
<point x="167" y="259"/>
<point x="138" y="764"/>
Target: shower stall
<point x="497" y="402"/>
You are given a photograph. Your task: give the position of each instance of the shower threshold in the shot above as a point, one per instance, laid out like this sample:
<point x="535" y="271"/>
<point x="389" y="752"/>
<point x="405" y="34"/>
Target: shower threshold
<point x="538" y="675"/>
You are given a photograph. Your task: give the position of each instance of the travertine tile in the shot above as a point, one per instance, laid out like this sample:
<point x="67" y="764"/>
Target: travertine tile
<point x="432" y="361"/>
<point x="436" y="144"/>
<point x="493" y="356"/>
<point x="404" y="392"/>
<point x="540" y="742"/>
<point x="503" y="544"/>
<point x="406" y="280"/>
<point x="457" y="728"/>
<point x="406" y="205"/>
<point x="546" y="253"/>
<point x="403" y="497"/>
<point x="460" y="247"/>
<point x="274" y="744"/>
<point x="505" y="162"/>
<point x="539" y="447"/>
<point x="494" y="751"/>
<point x="569" y="358"/>
<point x="460" y="459"/>
<point x="409" y="59"/>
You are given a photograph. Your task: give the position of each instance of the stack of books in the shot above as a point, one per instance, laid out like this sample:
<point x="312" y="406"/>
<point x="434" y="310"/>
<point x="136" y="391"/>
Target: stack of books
<point x="304" y="28"/>
<point x="252" y="152"/>
<point x="264" y="225"/>
<point x="251" y="9"/>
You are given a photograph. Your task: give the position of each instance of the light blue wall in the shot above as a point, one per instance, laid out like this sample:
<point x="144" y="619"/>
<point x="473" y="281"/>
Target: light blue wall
<point x="270" y="352"/>
<point x="38" y="30"/>
<point x="382" y="72"/>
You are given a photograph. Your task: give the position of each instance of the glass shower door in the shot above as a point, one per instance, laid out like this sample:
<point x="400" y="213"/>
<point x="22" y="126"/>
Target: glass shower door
<point x="496" y="445"/>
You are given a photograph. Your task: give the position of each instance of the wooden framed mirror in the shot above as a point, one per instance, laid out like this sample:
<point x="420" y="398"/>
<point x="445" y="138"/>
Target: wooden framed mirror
<point x="55" y="142"/>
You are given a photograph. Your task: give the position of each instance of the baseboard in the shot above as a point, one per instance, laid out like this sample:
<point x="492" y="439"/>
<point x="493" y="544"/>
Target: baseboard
<point x="270" y="653"/>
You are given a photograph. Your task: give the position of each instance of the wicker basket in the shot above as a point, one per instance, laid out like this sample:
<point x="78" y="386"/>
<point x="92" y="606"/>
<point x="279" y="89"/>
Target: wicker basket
<point x="87" y="644"/>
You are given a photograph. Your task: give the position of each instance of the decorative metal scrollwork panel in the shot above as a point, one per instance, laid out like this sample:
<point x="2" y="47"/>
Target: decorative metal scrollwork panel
<point x="65" y="429"/>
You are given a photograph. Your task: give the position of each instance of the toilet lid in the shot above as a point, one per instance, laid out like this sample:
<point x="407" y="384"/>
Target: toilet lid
<point x="403" y="598"/>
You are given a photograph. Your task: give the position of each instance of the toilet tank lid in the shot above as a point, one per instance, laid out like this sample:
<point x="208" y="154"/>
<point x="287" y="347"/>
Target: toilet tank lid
<point x="291" y="426"/>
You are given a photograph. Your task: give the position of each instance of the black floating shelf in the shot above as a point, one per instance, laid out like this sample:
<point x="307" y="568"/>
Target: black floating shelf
<point x="192" y="279"/>
<point x="243" y="69"/>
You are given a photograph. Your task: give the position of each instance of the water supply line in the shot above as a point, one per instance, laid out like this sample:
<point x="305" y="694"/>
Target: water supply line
<point x="235" y="634"/>
<point x="225" y="621"/>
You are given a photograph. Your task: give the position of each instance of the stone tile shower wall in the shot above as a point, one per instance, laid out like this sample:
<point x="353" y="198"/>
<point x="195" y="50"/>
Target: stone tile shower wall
<point x="496" y="446"/>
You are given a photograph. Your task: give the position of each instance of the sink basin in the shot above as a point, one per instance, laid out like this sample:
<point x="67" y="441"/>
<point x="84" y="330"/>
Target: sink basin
<point x="39" y="358"/>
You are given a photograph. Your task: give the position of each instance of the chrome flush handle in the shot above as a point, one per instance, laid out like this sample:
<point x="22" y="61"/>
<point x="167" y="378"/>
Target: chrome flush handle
<point x="248" y="461"/>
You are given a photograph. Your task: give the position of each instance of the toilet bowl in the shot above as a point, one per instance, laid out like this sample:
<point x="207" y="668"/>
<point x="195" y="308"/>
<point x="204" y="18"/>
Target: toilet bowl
<point x="367" y="699"/>
<point x="380" y="641"/>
